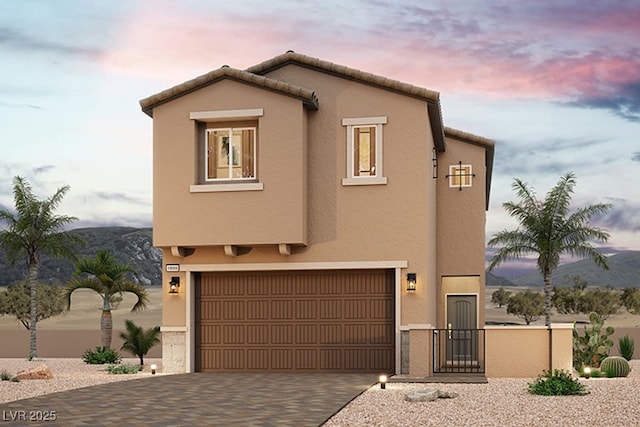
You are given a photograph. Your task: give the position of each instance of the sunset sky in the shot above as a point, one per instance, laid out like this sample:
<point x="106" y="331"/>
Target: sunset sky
<point x="556" y="84"/>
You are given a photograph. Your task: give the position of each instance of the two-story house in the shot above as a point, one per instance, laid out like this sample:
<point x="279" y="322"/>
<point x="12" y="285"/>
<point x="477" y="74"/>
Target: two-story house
<point x="314" y="217"/>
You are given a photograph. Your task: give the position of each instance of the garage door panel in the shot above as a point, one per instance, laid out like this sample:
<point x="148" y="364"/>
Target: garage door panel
<point x="336" y="321"/>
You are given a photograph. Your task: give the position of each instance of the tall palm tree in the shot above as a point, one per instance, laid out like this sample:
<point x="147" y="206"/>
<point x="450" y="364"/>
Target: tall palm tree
<point x="548" y="229"/>
<point x="33" y="230"/>
<point x="104" y="275"/>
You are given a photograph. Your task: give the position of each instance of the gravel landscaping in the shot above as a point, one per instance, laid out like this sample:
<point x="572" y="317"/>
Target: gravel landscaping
<point x="67" y="374"/>
<point x="501" y="402"/>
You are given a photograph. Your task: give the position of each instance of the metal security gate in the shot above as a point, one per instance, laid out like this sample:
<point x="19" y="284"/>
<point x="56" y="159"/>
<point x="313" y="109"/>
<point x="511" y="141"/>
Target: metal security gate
<point x="458" y="351"/>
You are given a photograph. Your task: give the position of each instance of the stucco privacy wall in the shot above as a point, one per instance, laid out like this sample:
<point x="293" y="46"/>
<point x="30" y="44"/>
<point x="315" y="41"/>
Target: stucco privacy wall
<point x="523" y="351"/>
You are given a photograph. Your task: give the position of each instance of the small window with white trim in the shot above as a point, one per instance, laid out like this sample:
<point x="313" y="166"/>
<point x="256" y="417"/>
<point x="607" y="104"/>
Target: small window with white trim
<point x="364" y="151"/>
<point x="230" y="154"/>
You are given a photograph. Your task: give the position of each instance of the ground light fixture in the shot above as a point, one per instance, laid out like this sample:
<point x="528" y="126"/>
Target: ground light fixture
<point x="587" y="372"/>
<point x="174" y="284"/>
<point x="411" y="282"/>
<point x="154" y="367"/>
<point x="383" y="381"/>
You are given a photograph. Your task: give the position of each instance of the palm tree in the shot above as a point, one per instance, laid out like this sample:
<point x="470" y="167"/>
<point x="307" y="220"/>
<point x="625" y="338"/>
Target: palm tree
<point x="110" y="280"/>
<point x="138" y="341"/>
<point x="33" y="230"/>
<point x="549" y="230"/>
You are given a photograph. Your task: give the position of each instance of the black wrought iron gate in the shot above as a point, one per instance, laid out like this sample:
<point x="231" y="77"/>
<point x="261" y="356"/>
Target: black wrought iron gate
<point x="458" y="351"/>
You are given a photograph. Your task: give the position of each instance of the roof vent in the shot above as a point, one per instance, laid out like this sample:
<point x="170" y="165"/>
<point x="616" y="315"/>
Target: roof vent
<point x="225" y="66"/>
<point x="290" y="51"/>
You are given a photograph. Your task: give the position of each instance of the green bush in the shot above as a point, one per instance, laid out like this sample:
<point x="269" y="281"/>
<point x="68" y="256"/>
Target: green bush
<point x="625" y="347"/>
<point x="101" y="356"/>
<point x="615" y="366"/>
<point x="5" y="376"/>
<point x="557" y="383"/>
<point x="124" y="369"/>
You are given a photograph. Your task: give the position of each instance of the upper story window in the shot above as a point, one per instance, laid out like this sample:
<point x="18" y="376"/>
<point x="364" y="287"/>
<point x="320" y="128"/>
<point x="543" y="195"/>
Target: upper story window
<point x="230" y="154"/>
<point x="460" y="175"/>
<point x="364" y="151"/>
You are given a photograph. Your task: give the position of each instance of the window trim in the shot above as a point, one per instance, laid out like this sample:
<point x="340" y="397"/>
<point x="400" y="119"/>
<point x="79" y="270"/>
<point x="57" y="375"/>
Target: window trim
<point x="352" y="124"/>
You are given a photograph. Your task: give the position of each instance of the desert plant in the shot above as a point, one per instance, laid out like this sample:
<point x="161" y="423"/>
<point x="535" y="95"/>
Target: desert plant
<point x="527" y="305"/>
<point x="5" y="376"/>
<point x="557" y="383"/>
<point x="108" y="278"/>
<point x="32" y="231"/>
<point x="625" y="347"/>
<point x="615" y="366"/>
<point x="592" y="347"/>
<point x="500" y="297"/>
<point x="14" y="380"/>
<point x="101" y="356"/>
<point x="124" y="369"/>
<point x="548" y="229"/>
<point x="139" y="341"/>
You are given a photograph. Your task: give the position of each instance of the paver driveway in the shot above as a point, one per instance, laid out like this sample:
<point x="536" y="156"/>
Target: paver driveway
<point x="199" y="399"/>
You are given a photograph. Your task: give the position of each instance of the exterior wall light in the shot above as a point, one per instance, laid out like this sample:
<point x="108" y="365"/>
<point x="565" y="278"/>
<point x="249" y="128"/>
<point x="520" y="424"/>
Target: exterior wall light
<point x="154" y="367"/>
<point x="587" y="372"/>
<point x="174" y="284"/>
<point x="411" y="282"/>
<point x="383" y="381"/>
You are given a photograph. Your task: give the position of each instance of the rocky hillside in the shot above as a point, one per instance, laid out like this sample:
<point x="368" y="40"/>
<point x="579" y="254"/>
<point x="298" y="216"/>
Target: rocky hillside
<point x="129" y="245"/>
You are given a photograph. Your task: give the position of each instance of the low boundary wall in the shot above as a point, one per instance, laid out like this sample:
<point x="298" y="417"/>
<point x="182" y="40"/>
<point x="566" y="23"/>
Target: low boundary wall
<point x="527" y="351"/>
<point x="62" y="343"/>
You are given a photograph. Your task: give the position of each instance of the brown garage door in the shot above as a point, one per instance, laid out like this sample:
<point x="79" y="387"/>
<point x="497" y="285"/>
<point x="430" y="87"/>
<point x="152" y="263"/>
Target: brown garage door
<point x="335" y="321"/>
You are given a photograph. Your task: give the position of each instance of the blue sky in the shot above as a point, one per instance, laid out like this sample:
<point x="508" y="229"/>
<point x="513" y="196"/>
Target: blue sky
<point x="555" y="84"/>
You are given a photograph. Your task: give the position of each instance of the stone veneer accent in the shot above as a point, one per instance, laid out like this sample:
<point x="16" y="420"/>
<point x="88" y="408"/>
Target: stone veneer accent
<point x="174" y="351"/>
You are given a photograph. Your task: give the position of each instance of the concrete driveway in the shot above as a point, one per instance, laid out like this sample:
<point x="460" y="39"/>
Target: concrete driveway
<point x="269" y="399"/>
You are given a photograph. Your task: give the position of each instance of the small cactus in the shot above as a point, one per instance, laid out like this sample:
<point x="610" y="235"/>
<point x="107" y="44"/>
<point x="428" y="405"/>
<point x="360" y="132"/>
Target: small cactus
<point x="615" y="366"/>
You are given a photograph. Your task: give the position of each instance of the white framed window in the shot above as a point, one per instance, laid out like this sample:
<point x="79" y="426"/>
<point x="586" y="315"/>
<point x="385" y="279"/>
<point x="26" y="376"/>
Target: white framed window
<point x="364" y="151"/>
<point x="230" y="154"/>
<point x="460" y="175"/>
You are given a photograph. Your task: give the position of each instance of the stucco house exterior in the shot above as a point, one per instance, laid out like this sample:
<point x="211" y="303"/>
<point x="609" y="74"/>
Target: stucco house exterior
<point x="314" y="217"/>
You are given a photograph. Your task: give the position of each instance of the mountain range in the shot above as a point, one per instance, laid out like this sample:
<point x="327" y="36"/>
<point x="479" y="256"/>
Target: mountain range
<point x="129" y="245"/>
<point x="135" y="246"/>
<point x="624" y="272"/>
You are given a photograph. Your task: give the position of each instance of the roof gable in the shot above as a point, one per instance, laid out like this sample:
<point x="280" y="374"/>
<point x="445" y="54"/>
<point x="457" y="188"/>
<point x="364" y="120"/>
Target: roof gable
<point x="307" y="96"/>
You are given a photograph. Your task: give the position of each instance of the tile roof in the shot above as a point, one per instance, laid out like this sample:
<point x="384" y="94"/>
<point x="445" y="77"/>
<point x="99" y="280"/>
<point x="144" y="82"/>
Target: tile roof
<point x="307" y="96"/>
<point x="345" y="72"/>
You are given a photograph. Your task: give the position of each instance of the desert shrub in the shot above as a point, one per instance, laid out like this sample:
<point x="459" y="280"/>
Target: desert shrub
<point x="14" y="380"/>
<point x="625" y="347"/>
<point x="592" y="347"/>
<point x="5" y="376"/>
<point x="557" y="383"/>
<point x="101" y="356"/>
<point x="615" y="366"/>
<point x="124" y="369"/>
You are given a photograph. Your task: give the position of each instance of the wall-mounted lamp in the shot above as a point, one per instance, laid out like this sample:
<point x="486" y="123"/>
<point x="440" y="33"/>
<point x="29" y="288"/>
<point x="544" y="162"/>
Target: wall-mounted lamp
<point x="174" y="284"/>
<point x="383" y="381"/>
<point x="411" y="281"/>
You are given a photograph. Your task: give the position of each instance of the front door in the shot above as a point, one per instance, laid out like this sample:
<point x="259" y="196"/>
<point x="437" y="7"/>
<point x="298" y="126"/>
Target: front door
<point x="462" y="322"/>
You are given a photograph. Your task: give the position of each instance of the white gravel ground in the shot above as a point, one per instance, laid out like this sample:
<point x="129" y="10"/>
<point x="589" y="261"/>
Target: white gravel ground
<point x="67" y="374"/>
<point x="501" y="402"/>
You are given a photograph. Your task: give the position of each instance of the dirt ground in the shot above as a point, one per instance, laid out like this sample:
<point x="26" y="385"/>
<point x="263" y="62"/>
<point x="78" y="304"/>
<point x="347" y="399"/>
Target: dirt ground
<point x="86" y="309"/>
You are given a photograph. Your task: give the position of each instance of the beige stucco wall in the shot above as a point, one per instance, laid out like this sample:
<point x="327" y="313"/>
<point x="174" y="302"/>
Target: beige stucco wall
<point x="523" y="351"/>
<point x="461" y="222"/>
<point x="277" y="214"/>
